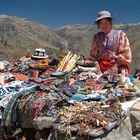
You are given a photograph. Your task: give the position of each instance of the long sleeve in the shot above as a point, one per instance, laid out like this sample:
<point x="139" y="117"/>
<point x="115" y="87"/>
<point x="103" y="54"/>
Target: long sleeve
<point x="124" y="49"/>
<point x="94" y="50"/>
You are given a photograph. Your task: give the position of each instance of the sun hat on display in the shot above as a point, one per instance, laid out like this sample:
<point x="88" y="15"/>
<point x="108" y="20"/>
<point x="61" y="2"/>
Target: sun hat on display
<point x="104" y="14"/>
<point x="39" y="53"/>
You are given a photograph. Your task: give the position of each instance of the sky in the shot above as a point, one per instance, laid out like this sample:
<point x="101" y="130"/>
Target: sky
<point x="58" y="13"/>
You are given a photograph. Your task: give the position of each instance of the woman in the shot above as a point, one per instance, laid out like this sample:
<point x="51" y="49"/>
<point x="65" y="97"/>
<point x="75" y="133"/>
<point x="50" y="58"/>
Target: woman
<point x="110" y="47"/>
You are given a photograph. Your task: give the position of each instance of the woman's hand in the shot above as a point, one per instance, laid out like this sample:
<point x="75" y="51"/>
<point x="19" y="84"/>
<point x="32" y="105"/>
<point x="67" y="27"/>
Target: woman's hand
<point x="120" y="57"/>
<point x="114" y="56"/>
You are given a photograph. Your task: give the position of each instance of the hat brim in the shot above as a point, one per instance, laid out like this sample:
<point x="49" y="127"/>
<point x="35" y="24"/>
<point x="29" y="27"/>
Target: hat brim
<point x="39" y="57"/>
<point x="98" y="19"/>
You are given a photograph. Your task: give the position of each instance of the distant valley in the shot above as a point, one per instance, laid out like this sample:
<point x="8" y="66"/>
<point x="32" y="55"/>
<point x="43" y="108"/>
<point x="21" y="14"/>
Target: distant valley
<point x="19" y="36"/>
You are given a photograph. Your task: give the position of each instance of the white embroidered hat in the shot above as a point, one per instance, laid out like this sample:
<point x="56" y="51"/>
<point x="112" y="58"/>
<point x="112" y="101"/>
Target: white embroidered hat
<point x="103" y="14"/>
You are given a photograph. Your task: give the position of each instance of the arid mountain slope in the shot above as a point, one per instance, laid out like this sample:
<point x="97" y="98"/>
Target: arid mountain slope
<point x="20" y="35"/>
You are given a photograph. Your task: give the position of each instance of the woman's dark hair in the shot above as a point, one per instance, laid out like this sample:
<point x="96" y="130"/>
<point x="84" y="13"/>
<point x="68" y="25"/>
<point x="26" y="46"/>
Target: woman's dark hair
<point x="109" y="19"/>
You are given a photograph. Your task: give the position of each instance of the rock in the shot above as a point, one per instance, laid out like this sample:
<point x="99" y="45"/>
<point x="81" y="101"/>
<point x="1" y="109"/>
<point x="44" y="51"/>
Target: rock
<point x="43" y="122"/>
<point x="138" y="136"/>
<point x="122" y="132"/>
<point x="135" y="122"/>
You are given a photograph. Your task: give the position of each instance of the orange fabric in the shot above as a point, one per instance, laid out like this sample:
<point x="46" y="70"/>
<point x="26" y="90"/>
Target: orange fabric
<point x="21" y="77"/>
<point x="105" y="65"/>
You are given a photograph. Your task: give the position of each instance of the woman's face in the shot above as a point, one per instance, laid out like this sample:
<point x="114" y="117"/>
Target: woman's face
<point x="105" y="25"/>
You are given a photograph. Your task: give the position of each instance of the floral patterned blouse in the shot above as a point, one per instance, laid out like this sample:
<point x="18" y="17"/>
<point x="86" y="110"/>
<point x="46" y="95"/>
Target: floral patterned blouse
<point x="105" y="45"/>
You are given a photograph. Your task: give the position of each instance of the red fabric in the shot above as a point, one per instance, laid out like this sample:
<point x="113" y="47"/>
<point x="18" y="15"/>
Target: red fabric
<point x="105" y="65"/>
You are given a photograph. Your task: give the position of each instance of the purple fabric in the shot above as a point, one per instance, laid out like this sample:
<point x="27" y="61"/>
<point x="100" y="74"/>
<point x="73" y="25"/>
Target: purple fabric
<point x="68" y="88"/>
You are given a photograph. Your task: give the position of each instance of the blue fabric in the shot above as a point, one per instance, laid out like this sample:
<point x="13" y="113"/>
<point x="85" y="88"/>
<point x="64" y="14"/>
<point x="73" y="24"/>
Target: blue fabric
<point x="80" y="97"/>
<point x="77" y="97"/>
